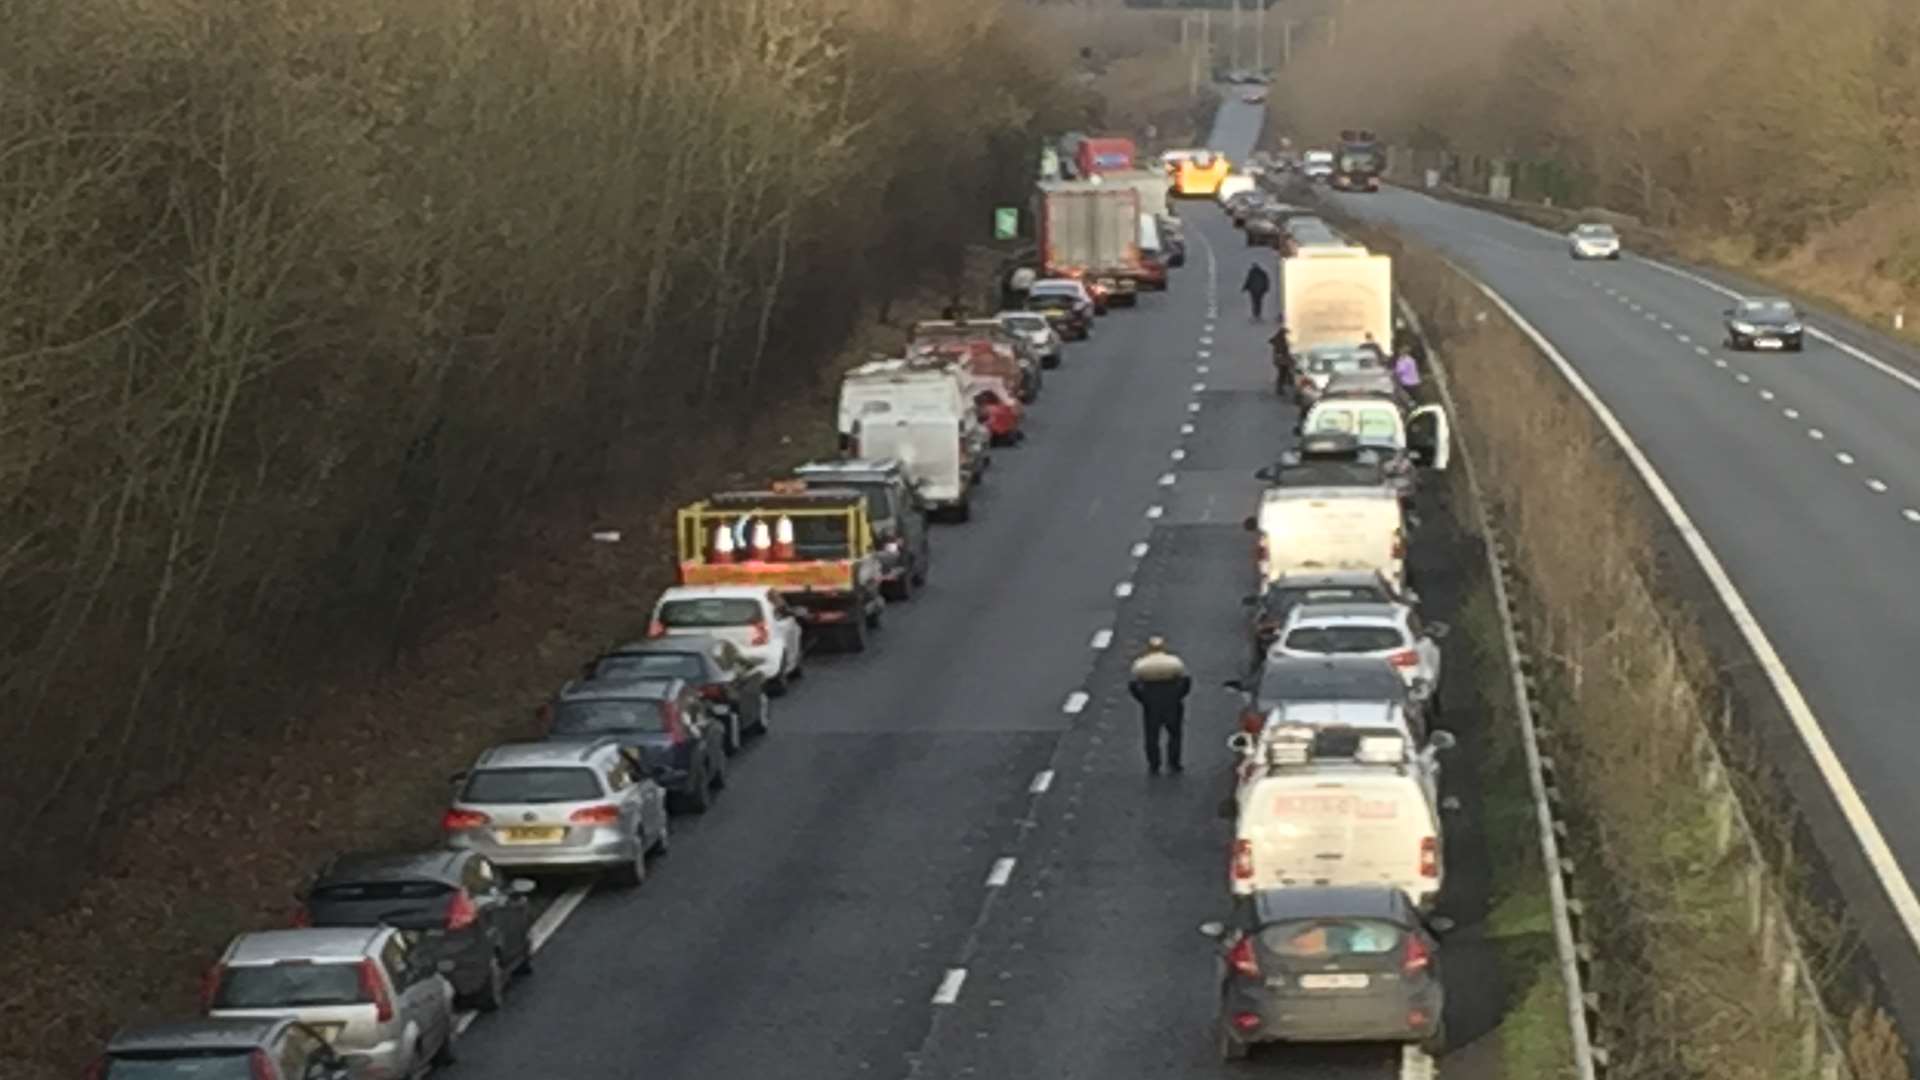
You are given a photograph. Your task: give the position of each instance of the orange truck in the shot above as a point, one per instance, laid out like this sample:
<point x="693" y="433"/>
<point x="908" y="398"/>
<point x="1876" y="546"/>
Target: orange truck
<point x="1200" y="175"/>
<point x="813" y="546"/>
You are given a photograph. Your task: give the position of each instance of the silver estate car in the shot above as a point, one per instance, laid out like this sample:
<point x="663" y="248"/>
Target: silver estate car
<point x="560" y="804"/>
<point x="269" y="1048"/>
<point x="386" y="1010"/>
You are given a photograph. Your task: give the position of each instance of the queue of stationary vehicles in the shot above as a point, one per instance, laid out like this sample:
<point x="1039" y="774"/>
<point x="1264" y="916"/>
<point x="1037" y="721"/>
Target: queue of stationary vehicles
<point x="1337" y="857"/>
<point x="385" y="948"/>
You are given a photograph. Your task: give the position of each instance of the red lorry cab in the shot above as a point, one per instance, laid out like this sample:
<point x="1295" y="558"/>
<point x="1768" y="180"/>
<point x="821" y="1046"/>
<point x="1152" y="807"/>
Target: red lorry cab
<point x="1105" y="155"/>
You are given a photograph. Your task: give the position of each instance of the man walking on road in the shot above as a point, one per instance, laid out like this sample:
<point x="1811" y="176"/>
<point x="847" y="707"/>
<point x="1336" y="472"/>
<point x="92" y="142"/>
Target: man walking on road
<point x="1256" y="287"/>
<point x="1160" y="684"/>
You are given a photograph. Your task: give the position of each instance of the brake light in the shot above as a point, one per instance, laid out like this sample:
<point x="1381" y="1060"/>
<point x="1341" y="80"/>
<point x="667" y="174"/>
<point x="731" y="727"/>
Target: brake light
<point x="456" y="820"/>
<point x="461" y="913"/>
<point x="1243" y="860"/>
<point x="210" y="985"/>
<point x="604" y="814"/>
<point x="714" y="692"/>
<point x="374" y="988"/>
<point x="1242" y="960"/>
<point x="1430" y="857"/>
<point x="301" y="919"/>
<point x="760" y="633"/>
<point x="1399" y="544"/>
<point x="676" y="729"/>
<point x="96" y="1069"/>
<point x="1405" y="658"/>
<point x="1418" y="957"/>
<point x="1260" y="549"/>
<point x="656" y="628"/>
<point x="1251" y="722"/>
<point x="260" y="1065"/>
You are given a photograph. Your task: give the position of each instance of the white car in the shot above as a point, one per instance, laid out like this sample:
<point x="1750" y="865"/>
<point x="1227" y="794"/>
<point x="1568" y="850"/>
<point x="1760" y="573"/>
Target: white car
<point x="1593" y="241"/>
<point x="1033" y="326"/>
<point x="752" y="618"/>
<point x="1391" y="631"/>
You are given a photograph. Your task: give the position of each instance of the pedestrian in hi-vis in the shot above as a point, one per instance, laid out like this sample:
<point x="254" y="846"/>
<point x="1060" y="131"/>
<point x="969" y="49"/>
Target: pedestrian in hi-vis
<point x="1160" y="684"/>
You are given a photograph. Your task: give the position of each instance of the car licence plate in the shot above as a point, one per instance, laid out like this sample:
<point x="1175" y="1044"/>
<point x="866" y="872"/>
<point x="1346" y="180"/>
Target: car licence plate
<point x="1766" y="343"/>
<point x="1333" y="982"/>
<point x="532" y="834"/>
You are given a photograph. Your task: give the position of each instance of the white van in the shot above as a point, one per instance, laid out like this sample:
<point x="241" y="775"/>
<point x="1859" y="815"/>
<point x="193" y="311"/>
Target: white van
<point x="1422" y="433"/>
<point x="1233" y="184"/>
<point x="1369" y="819"/>
<point x="1309" y="529"/>
<point x="923" y="416"/>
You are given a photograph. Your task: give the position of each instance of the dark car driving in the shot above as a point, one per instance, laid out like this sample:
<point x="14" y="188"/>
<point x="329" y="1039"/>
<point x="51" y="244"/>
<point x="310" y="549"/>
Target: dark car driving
<point x="466" y="911"/>
<point x="734" y="687"/>
<point x="1325" y="963"/>
<point x="1269" y="610"/>
<point x="1764" y="322"/>
<point x="681" y="741"/>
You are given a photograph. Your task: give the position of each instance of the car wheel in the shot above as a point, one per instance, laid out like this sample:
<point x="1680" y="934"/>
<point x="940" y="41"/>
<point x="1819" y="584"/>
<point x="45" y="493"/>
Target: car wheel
<point x="698" y="798"/>
<point x="778" y="686"/>
<point x="718" y="773"/>
<point x="446" y="1054"/>
<point x="630" y="874"/>
<point x="920" y="572"/>
<point x="663" y="842"/>
<point x="733" y="740"/>
<point x="853" y="636"/>
<point x="1231" y="1048"/>
<point x="899" y="589"/>
<point x="1435" y="1044"/>
<point x="765" y="723"/>
<point x="492" y="993"/>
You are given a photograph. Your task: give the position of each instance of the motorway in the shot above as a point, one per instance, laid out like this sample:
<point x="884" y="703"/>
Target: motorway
<point x="1797" y="469"/>
<point x="947" y="860"/>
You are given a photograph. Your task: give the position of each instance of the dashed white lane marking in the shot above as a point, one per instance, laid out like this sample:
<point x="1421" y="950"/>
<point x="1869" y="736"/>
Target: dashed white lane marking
<point x="1204" y="354"/>
<point x="1186" y="429"/>
<point x="1123" y="590"/>
<point x="949" y="991"/>
<point x="1101" y="639"/>
<point x="1199" y="387"/>
<point x="1816" y="434"/>
<point x="1877" y="486"/>
<point x="1193" y="406"/>
<point x="1766" y="395"/>
<point x="1001" y="873"/>
<point x="1650" y="317"/>
<point x="1042" y="780"/>
<point x="1206" y="341"/>
<point x="1201" y="369"/>
<point x="1742" y="377"/>
<point x="1167" y="479"/>
<point x="1665" y="325"/>
<point x="1720" y="361"/>
<point x="1075" y="702"/>
<point x="557" y="913"/>
<point x="1207" y="329"/>
<point x="1139" y="550"/>
<point x="1178" y="454"/>
<point x="1703" y="350"/>
<point x="1911" y="515"/>
<point x="1155" y="511"/>
<point x="1686" y="339"/>
<point x="1791" y="414"/>
<point x="1843" y="458"/>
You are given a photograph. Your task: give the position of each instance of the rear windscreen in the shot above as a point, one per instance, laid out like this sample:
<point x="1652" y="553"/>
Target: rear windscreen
<point x="289" y="986"/>
<point x="1345" y="639"/>
<point x="602" y="717"/>
<point x="713" y="610"/>
<point x="1330" y="939"/>
<point x="651" y="666"/>
<point x="356" y="892"/>
<point x="223" y="1064"/>
<point x="531" y="786"/>
<point x="1290" y="683"/>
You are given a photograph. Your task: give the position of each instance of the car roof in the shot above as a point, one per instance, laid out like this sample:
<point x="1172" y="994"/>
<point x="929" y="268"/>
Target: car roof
<point x="557" y="752"/>
<point x="439" y="865"/>
<point x="716" y="592"/>
<point x="305" y="943"/>
<point x="200" y="1033"/>
<point x="1311" y="901"/>
<point x="639" y="688"/>
<point x="1357" y="612"/>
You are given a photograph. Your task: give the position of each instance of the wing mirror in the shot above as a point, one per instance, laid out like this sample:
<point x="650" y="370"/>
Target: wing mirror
<point x="1422" y="688"/>
<point x="1439" y="925"/>
<point x="1438" y="630"/>
<point x="1442" y="741"/>
<point x="458" y="777"/>
<point x="1213" y="929"/>
<point x="1235" y="684"/>
<point x="1249" y="601"/>
<point x="1265" y="473"/>
<point x="1240" y="742"/>
<point x="1251" y="524"/>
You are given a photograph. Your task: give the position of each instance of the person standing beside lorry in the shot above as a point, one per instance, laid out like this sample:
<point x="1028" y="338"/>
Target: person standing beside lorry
<point x="1160" y="684"/>
<point x="1256" y="287"/>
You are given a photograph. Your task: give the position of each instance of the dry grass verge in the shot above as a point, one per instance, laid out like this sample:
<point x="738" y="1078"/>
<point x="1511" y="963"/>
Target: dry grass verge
<point x="1629" y="687"/>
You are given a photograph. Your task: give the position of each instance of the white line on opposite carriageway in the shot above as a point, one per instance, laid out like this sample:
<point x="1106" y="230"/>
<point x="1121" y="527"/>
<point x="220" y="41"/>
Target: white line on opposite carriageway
<point x="1139" y="549"/>
<point x="1001" y="873"/>
<point x="1101" y="639"/>
<point x="1123" y="590"/>
<point x="949" y="991"/>
<point x="1042" y="780"/>
<point x="1075" y="702"/>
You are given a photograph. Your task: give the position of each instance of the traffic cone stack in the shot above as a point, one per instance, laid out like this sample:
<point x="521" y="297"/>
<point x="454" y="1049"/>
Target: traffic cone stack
<point x="721" y="551"/>
<point x="762" y="544"/>
<point x="783" y="539"/>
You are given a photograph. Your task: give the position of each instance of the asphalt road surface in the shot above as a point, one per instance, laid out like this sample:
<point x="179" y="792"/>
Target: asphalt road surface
<point x="947" y="859"/>
<point x="1796" y="468"/>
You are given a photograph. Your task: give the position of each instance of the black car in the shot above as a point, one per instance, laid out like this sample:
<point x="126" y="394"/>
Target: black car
<point x="1323" y="963"/>
<point x="895" y="509"/>
<point x="465" y="910"/>
<point x="1286" y="680"/>
<point x="1072" y="316"/>
<point x="1336" y="459"/>
<point x="733" y="686"/>
<point x="1764" y="323"/>
<point x="220" y="1048"/>
<point x="1269" y="610"/>
<point x="680" y="739"/>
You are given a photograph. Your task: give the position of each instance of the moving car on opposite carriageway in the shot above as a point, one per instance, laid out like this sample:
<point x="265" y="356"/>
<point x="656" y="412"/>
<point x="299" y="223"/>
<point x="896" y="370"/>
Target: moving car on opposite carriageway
<point x="1764" y="322"/>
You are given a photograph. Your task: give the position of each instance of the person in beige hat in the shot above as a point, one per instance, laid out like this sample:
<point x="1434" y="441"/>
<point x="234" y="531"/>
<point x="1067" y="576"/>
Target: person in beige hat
<point x="1160" y="684"/>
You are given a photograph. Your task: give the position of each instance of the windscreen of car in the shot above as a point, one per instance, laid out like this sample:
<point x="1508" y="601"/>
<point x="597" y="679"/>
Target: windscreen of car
<point x="1050" y="301"/>
<point x="1345" y="639"/>
<point x="1031" y="324"/>
<point x="602" y="717"/>
<point x="714" y="610"/>
<point x="1281" y="599"/>
<point x="652" y="665"/>
<point x="1597" y="232"/>
<point x="1331" y="939"/>
<point x="1341" y="361"/>
<point x="1331" y="474"/>
<point x="290" y="986"/>
<point x="222" y="1064"/>
<point x="1767" y="308"/>
<point x="548" y="785"/>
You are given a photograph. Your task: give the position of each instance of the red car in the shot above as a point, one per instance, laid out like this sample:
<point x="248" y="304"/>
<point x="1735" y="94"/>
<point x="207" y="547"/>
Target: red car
<point x="999" y="411"/>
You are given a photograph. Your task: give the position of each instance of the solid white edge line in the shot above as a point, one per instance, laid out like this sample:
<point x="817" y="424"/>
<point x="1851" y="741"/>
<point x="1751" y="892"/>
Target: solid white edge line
<point x="1001" y="873"/>
<point x="1101" y="639"/>
<point x="1415" y="1064"/>
<point x="950" y="984"/>
<point x="542" y="931"/>
<point x="1075" y="702"/>
<point x="1872" y="842"/>
<point x="1867" y="358"/>
<point x="1042" y="780"/>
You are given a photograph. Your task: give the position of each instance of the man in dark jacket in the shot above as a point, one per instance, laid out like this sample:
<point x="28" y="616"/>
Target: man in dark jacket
<point x="1282" y="362"/>
<point x="1256" y="287"/>
<point x="1160" y="684"/>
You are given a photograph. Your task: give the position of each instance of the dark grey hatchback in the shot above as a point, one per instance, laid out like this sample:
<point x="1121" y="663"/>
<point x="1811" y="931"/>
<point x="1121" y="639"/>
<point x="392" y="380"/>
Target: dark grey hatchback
<point x="1328" y="964"/>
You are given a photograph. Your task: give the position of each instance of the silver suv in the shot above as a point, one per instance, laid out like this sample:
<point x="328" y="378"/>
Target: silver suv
<point x="560" y="804"/>
<point x="387" y="1011"/>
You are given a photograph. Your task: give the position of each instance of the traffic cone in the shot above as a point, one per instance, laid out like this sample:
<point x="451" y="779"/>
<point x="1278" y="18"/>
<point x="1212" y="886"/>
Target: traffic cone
<point x="722" y="549"/>
<point x="783" y="539"/>
<point x="762" y="544"/>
